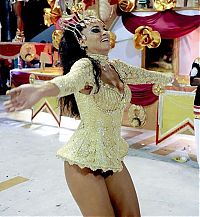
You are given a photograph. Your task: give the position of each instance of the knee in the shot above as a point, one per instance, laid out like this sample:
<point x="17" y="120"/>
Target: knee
<point x="129" y="215"/>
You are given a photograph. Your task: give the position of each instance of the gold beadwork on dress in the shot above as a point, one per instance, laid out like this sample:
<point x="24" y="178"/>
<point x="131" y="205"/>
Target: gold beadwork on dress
<point x="103" y="59"/>
<point x="136" y="75"/>
<point x="108" y="91"/>
<point x="81" y="73"/>
<point x="97" y="143"/>
<point x="158" y="89"/>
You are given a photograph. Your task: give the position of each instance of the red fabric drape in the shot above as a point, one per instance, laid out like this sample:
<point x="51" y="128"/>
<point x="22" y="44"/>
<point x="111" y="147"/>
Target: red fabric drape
<point x="91" y="2"/>
<point x="142" y="94"/>
<point x="88" y="3"/>
<point x="18" y="77"/>
<point x="113" y="2"/>
<point x="168" y="23"/>
<point x="9" y="50"/>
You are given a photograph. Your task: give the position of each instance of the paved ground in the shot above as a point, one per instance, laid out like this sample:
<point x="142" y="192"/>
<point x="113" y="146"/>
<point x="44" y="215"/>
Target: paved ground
<point x="32" y="181"/>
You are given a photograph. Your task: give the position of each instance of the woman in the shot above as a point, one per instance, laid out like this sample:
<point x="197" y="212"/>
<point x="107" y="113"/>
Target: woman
<point x="93" y="158"/>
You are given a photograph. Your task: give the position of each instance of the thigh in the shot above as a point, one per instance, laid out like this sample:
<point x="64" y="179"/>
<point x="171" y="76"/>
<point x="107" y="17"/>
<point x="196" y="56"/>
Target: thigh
<point x="122" y="194"/>
<point x="89" y="191"/>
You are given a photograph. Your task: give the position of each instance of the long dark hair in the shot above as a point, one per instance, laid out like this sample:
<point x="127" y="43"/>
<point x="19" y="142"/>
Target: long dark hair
<point x="70" y="51"/>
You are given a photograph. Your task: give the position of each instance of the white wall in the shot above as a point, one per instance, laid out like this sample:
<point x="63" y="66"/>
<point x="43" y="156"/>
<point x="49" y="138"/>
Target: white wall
<point x="125" y="50"/>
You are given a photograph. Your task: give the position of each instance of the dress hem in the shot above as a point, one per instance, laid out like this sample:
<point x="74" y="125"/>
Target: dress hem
<point x="93" y="168"/>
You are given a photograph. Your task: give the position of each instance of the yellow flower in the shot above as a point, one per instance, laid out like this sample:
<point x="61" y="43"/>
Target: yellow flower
<point x="162" y="5"/>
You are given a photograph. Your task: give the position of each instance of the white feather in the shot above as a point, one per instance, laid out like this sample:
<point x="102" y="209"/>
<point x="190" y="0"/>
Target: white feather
<point x="105" y="10"/>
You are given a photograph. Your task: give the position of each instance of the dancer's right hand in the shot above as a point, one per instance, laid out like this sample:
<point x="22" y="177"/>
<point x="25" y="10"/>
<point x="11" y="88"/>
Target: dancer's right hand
<point x="23" y="97"/>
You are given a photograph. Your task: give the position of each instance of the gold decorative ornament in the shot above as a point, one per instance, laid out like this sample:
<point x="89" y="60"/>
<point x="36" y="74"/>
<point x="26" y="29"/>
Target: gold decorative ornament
<point x="47" y="17"/>
<point x="158" y="89"/>
<point x="28" y="52"/>
<point x="56" y="37"/>
<point x="137" y="115"/>
<point x="55" y="8"/>
<point x="145" y="36"/>
<point x="126" y="5"/>
<point x="89" y="12"/>
<point x="52" y="3"/>
<point x="162" y="5"/>
<point x="52" y="14"/>
<point x="32" y="79"/>
<point x="50" y="17"/>
<point x="78" y="8"/>
<point x="112" y="39"/>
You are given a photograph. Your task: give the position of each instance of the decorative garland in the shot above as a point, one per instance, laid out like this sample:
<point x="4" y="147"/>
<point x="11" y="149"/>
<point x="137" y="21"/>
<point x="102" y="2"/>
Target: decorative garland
<point x="137" y="115"/>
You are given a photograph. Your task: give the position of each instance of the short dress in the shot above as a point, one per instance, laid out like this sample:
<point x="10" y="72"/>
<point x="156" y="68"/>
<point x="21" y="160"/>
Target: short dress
<point x="97" y="143"/>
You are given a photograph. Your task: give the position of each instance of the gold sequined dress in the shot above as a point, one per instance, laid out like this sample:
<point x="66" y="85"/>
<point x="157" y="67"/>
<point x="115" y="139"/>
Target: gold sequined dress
<point x="97" y="143"/>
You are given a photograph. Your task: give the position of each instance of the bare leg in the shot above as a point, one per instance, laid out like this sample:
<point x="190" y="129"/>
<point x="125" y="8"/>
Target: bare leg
<point x="89" y="191"/>
<point x="122" y="194"/>
<point x="17" y="7"/>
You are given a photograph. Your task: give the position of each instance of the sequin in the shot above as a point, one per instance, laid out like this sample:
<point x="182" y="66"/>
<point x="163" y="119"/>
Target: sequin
<point x="97" y="143"/>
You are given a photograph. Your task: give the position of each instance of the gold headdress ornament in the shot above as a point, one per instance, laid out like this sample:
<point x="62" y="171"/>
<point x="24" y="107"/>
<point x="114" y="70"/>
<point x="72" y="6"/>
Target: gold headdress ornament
<point x="77" y="16"/>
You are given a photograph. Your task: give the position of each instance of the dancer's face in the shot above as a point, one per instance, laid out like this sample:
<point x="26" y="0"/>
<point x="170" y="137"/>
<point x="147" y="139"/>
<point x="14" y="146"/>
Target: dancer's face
<point x="97" y="38"/>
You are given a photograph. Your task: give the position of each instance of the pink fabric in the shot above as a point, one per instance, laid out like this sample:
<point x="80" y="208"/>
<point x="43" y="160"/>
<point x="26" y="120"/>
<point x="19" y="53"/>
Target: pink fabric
<point x="142" y="94"/>
<point x="168" y="23"/>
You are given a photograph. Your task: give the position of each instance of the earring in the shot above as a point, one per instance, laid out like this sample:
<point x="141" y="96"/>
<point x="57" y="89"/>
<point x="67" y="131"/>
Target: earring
<point x="83" y="37"/>
<point x="83" y="47"/>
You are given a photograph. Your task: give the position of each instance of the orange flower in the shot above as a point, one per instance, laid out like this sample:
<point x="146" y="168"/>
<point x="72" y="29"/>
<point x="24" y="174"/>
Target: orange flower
<point x="145" y="36"/>
<point x="126" y="5"/>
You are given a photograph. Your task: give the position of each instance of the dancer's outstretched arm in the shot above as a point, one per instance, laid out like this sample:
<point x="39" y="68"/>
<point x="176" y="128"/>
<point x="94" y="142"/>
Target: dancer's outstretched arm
<point x="25" y="96"/>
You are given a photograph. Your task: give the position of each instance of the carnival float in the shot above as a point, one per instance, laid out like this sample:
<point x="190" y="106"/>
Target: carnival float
<point x="159" y="35"/>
